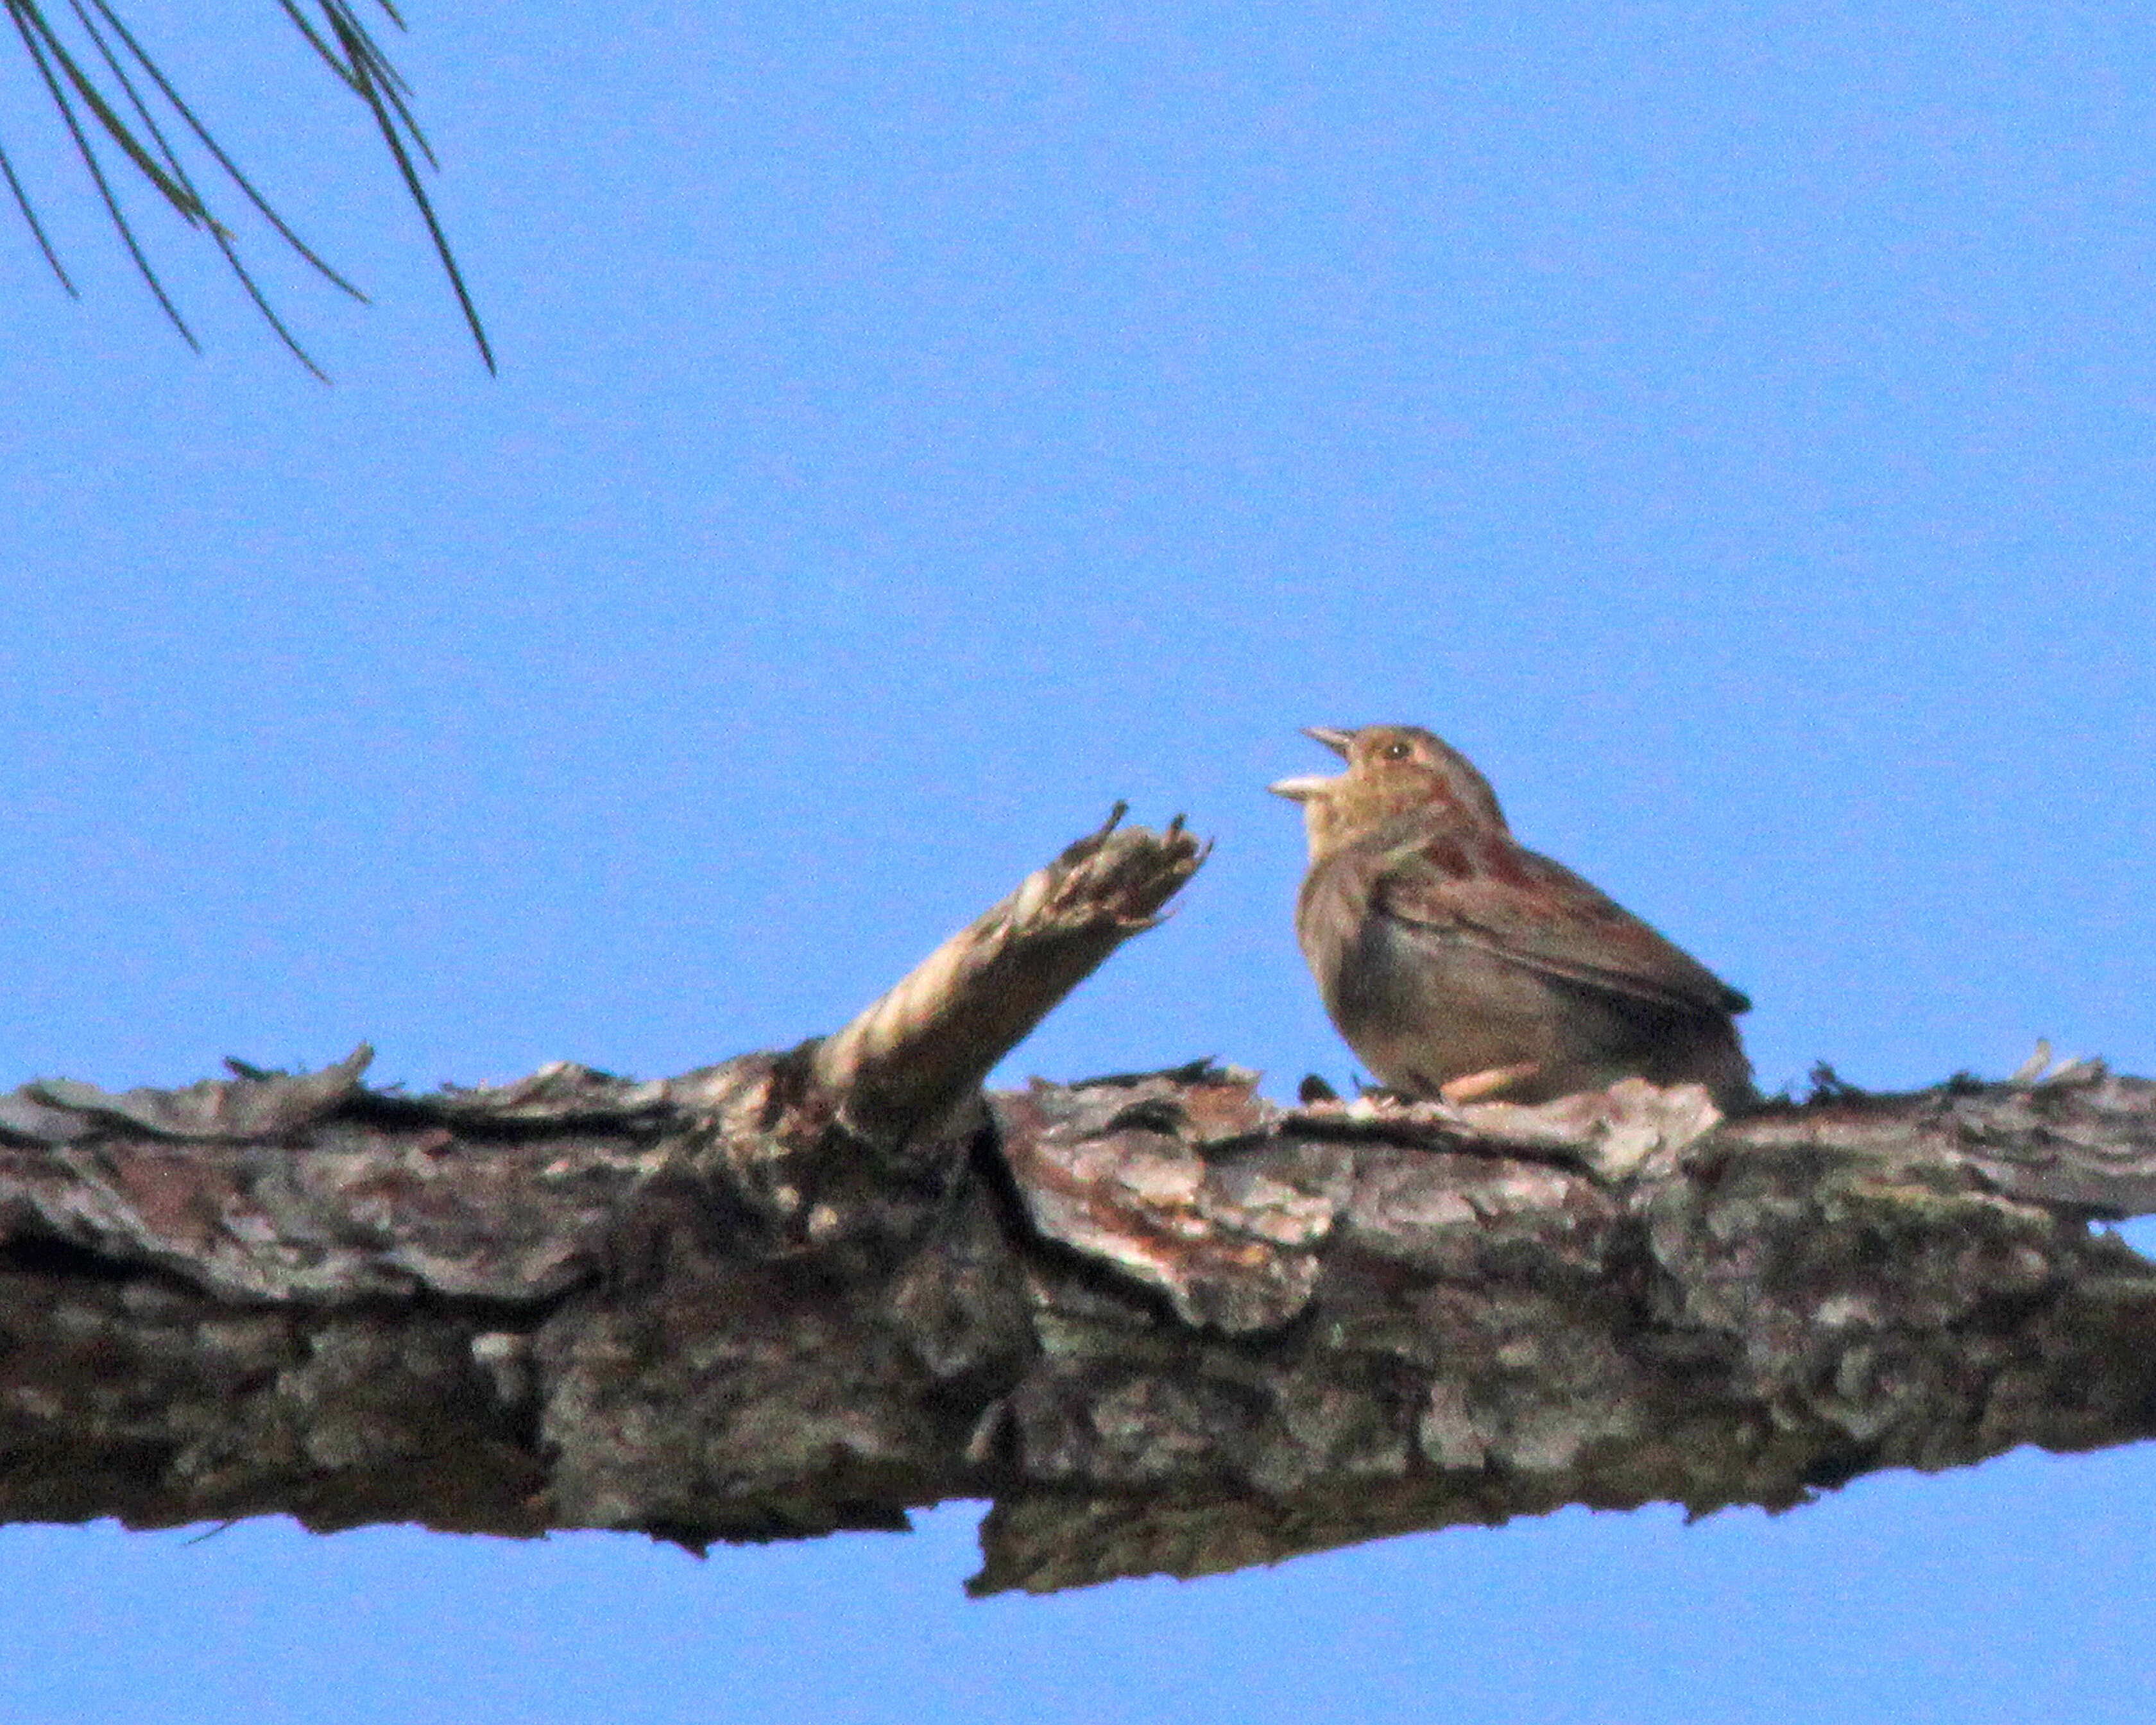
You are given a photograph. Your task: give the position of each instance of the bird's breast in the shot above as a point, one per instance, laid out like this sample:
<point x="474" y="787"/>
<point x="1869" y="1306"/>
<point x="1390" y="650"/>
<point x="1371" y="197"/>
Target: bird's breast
<point x="1420" y="1008"/>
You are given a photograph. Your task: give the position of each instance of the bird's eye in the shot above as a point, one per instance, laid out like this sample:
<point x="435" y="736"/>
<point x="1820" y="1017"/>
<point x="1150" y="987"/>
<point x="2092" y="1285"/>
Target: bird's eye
<point x="1395" y="751"/>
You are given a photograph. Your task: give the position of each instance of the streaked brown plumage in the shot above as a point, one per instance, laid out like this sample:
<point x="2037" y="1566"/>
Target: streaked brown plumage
<point x="1458" y="963"/>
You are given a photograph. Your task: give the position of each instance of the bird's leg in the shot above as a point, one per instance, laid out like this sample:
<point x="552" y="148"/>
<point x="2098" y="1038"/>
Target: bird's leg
<point x="1475" y="1086"/>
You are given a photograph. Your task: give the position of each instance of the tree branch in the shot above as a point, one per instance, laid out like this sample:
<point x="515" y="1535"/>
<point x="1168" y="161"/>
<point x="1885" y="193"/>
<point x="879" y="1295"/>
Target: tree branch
<point x="925" y="1047"/>
<point x="1163" y="1324"/>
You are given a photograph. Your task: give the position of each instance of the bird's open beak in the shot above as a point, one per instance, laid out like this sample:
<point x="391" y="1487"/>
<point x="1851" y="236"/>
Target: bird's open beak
<point x="1301" y="790"/>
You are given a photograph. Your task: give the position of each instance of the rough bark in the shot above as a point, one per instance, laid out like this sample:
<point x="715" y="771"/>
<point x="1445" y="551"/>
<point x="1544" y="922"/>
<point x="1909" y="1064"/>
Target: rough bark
<point x="1161" y="1324"/>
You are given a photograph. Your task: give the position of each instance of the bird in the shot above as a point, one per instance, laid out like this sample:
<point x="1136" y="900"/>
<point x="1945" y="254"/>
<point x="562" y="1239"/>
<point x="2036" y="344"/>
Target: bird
<point x="1460" y="965"/>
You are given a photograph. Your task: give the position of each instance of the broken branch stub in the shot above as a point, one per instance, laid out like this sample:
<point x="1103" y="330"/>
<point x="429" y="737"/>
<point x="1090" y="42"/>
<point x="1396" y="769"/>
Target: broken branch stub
<point x="898" y="1070"/>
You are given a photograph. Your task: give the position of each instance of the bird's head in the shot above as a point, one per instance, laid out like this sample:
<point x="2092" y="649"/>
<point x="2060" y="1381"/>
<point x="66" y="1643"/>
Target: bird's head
<point x="1392" y="770"/>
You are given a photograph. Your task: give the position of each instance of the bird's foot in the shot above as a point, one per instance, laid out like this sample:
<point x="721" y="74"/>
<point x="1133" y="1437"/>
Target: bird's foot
<point x="1476" y="1087"/>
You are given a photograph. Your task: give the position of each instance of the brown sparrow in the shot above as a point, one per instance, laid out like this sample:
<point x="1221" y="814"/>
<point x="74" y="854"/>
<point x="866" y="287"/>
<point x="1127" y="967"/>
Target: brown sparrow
<point x="1458" y="964"/>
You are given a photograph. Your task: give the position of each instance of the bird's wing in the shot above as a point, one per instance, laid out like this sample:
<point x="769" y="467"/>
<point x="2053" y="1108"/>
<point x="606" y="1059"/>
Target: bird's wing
<point x="1481" y="890"/>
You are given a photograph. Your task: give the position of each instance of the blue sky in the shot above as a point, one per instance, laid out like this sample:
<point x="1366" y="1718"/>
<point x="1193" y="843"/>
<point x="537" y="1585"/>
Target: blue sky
<point x="919" y="425"/>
